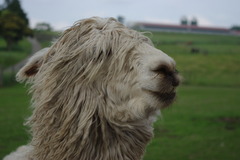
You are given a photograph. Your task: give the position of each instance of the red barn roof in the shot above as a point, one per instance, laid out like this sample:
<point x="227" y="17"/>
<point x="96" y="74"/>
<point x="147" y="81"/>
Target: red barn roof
<point x="181" y="26"/>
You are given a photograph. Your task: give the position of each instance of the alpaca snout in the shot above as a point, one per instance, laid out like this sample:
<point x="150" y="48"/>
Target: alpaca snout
<point x="174" y="78"/>
<point x="169" y="73"/>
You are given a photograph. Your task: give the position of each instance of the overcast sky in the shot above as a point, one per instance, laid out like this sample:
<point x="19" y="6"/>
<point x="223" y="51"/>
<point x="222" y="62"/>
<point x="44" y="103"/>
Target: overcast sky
<point x="63" y="13"/>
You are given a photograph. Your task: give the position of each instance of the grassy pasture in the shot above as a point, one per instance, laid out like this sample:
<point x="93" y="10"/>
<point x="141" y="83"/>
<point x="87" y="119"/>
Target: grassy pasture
<point x="14" y="103"/>
<point x="215" y="64"/>
<point x="18" y="53"/>
<point x="203" y="124"/>
<point x="10" y="57"/>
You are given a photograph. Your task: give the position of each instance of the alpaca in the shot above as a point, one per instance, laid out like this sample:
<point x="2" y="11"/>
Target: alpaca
<point x="96" y="93"/>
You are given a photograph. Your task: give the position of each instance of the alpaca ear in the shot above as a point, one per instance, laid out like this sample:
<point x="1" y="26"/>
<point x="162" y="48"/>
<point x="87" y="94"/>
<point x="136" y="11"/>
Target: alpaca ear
<point x="30" y="69"/>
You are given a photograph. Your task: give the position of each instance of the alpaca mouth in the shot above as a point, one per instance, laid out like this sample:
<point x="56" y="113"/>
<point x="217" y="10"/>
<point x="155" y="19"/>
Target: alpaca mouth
<point x="165" y="97"/>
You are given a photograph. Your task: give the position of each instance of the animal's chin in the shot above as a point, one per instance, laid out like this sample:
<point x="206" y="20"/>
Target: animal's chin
<point x="164" y="98"/>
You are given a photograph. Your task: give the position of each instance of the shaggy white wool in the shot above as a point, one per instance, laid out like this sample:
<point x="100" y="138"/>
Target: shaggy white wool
<point x="96" y="92"/>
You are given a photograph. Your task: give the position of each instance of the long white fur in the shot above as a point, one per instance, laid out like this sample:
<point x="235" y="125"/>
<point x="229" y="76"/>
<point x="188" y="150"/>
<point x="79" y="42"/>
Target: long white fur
<point x="91" y="94"/>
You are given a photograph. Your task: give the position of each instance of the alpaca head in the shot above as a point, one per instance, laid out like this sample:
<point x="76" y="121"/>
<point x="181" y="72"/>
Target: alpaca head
<point x="97" y="68"/>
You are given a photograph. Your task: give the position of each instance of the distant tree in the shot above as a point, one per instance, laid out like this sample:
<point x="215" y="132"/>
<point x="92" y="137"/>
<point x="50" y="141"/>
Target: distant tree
<point x="13" y="22"/>
<point x="194" y="22"/>
<point x="121" y="19"/>
<point x="43" y="26"/>
<point x="12" y="28"/>
<point x="235" y="28"/>
<point x="15" y="7"/>
<point x="184" y="21"/>
<point x="7" y="2"/>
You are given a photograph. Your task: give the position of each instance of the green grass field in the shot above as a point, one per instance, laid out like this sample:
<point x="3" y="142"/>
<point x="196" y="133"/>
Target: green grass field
<point x="18" y="53"/>
<point x="14" y="104"/>
<point x="203" y="124"/>
<point x="216" y="64"/>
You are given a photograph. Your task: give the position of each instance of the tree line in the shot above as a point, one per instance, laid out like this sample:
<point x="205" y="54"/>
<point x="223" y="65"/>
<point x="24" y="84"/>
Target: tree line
<point x="14" y="24"/>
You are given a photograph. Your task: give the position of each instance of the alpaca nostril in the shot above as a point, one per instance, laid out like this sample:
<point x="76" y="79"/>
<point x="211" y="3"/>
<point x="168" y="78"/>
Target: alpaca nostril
<point x="174" y="79"/>
<point x="175" y="82"/>
<point x="162" y="69"/>
<point x="170" y="74"/>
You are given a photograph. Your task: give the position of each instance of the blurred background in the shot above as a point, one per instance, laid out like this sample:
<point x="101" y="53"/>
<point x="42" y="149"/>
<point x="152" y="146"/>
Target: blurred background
<point x="202" y="36"/>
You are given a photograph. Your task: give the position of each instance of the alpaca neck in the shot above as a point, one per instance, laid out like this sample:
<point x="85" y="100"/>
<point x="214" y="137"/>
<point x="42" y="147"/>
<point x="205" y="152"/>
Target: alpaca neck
<point x="102" y="141"/>
<point x="81" y="128"/>
<point x="108" y="141"/>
